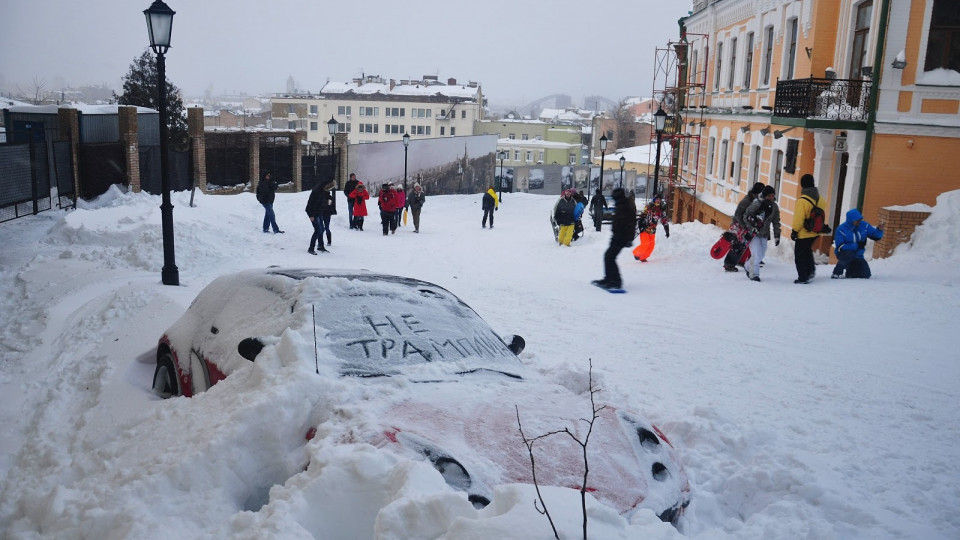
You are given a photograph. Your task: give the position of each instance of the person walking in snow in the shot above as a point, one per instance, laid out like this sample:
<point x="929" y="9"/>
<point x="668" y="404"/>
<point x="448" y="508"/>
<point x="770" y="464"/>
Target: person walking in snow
<point x="802" y="238"/>
<point x="387" y="201"/>
<point x="597" y="204"/>
<point x="851" y="242"/>
<point x="739" y="228"/>
<point x="581" y="201"/>
<point x="623" y="231"/>
<point x="401" y="204"/>
<point x="563" y="214"/>
<point x="490" y="204"/>
<point x="347" y="190"/>
<point x="360" y="196"/>
<point x="415" y="203"/>
<point x="328" y="209"/>
<point x="760" y="216"/>
<point x="319" y="195"/>
<point x="266" y="193"/>
<point x="655" y="212"/>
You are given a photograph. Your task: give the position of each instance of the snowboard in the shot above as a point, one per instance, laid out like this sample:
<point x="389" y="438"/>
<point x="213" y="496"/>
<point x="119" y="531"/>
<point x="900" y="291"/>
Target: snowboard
<point x="720" y="249"/>
<point x="613" y="291"/>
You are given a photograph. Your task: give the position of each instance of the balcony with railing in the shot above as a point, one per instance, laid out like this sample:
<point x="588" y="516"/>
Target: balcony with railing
<point x="823" y="99"/>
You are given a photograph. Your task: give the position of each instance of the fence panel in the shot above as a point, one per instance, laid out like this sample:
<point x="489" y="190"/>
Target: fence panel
<point x="101" y="166"/>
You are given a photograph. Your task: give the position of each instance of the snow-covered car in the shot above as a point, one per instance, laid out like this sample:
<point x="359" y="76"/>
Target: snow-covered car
<point x="451" y="389"/>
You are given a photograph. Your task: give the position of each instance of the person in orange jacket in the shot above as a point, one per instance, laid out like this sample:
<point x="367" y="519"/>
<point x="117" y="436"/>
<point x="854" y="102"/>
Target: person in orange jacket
<point x="654" y="212"/>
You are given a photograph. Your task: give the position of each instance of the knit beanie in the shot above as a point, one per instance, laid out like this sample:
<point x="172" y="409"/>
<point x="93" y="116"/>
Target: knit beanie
<point x="806" y="181"/>
<point x="768" y="191"/>
<point x="757" y="188"/>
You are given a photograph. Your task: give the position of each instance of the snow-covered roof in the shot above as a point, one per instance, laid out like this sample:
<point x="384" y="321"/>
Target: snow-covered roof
<point x="534" y="143"/>
<point x="418" y="89"/>
<point x="644" y="155"/>
<point x="83" y="108"/>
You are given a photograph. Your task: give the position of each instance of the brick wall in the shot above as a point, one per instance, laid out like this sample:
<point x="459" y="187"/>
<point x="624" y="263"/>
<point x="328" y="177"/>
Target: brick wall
<point x="898" y="227"/>
<point x="198" y="146"/>
<point x="127" y="119"/>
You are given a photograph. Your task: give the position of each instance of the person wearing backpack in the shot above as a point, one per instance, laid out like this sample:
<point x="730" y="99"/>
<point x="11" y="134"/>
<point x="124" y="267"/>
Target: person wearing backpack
<point x="759" y="217"/>
<point x="804" y="231"/>
<point x="850" y="241"/>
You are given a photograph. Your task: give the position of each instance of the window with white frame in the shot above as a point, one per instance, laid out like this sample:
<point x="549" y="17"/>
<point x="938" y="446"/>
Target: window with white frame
<point x="369" y="128"/>
<point x="694" y="77"/>
<point x="369" y="111"/>
<point x="794" y="27"/>
<point x="529" y="156"/>
<point x="777" y="171"/>
<point x="393" y="129"/>
<point x="463" y="113"/>
<point x="394" y="112"/>
<point x="943" y="40"/>
<point x="718" y="67"/>
<point x="313" y="110"/>
<point x="540" y="160"/>
<point x="739" y="163"/>
<point x="748" y="61"/>
<point x="754" y="164"/>
<point x="723" y="159"/>
<point x="441" y="130"/>
<point x="313" y="126"/>
<point x="525" y="137"/>
<point x="512" y="136"/>
<point x="516" y="155"/>
<point x="767" y="54"/>
<point x="573" y="159"/>
<point x="711" y="154"/>
<point x="453" y="131"/>
<point x="343" y="110"/>
<point x="733" y="63"/>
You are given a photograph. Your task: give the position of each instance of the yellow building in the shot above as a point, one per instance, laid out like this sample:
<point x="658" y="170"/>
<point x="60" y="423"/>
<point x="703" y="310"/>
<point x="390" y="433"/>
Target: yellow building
<point x="863" y="94"/>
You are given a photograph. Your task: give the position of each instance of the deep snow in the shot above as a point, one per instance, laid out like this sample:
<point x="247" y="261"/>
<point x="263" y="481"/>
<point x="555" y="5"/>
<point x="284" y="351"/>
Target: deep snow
<point x="819" y="411"/>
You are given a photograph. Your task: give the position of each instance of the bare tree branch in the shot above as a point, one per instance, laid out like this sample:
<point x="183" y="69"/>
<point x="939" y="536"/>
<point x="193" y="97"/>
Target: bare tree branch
<point x="533" y="471"/>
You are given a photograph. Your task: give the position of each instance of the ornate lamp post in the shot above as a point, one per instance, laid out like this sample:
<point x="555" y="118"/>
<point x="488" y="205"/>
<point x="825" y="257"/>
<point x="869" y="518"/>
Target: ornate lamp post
<point x="406" y="143"/>
<point x="660" y="120"/>
<point x="159" y="27"/>
<point x="460" y="174"/>
<point x="603" y="153"/>
<point x="332" y="130"/>
<point x="623" y="161"/>
<point x="502" y="155"/>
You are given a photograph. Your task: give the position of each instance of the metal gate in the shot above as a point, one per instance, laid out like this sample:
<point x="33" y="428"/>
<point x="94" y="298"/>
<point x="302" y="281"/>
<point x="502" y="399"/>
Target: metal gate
<point x="316" y="168"/>
<point x="101" y="166"/>
<point x="24" y="180"/>
<point x="178" y="170"/>
<point x="278" y="160"/>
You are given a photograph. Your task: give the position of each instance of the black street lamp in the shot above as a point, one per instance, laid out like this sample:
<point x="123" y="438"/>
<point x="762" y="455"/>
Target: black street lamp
<point x="406" y="143"/>
<point x="502" y="155"/>
<point x="159" y="27"/>
<point x="460" y="174"/>
<point x="603" y="152"/>
<point x="660" y="120"/>
<point x="623" y="161"/>
<point x="332" y="130"/>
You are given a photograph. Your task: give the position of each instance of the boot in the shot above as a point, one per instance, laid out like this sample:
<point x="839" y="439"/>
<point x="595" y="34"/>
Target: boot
<point x="329" y="238"/>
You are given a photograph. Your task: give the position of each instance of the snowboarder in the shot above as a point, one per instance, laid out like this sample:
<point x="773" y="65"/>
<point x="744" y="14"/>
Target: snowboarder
<point x="653" y="213"/>
<point x="624" y="231"/>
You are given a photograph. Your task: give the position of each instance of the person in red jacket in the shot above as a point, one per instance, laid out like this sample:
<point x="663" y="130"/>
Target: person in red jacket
<point x="387" y="200"/>
<point x="359" y="196"/>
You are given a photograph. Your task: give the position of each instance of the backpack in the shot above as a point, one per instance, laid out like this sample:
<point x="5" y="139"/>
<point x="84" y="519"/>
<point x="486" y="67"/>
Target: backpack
<point x="817" y="220"/>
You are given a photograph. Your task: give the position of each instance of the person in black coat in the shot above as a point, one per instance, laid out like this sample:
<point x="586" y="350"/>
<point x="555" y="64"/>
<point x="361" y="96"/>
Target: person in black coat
<point x="347" y="190"/>
<point x="319" y="197"/>
<point x="624" y="231"/>
<point x="597" y="204"/>
<point x="266" y="192"/>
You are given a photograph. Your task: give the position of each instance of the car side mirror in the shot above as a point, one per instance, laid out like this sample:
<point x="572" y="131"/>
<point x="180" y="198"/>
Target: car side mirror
<point x="516" y="344"/>
<point x="250" y="348"/>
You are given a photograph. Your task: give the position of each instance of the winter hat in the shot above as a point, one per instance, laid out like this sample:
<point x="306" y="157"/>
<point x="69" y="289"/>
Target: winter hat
<point x="328" y="186"/>
<point x="768" y="190"/>
<point x="806" y="181"/>
<point x="757" y="188"/>
<point x="416" y="184"/>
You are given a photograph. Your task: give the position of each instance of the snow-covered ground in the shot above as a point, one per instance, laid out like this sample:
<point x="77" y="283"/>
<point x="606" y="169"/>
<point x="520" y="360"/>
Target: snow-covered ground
<point x="826" y="410"/>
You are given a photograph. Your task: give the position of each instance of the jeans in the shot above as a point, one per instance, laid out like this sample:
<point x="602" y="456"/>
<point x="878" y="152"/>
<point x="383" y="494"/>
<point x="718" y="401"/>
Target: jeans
<point x="269" y="219"/>
<point x="485" y="214"/>
<point x="318" y="228"/>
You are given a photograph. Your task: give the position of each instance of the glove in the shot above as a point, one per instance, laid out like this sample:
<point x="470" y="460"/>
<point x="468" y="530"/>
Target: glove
<point x="497" y="209"/>
<point x="862" y="244"/>
<point x="777" y="241"/>
<point x="793" y="235"/>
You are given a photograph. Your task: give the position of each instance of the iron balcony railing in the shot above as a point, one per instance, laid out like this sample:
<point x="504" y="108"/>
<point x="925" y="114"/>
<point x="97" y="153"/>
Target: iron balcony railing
<point x="823" y="99"/>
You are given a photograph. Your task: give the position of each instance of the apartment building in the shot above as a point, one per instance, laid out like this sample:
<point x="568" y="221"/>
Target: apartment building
<point x="533" y="142"/>
<point x="863" y="94"/>
<point x="372" y="109"/>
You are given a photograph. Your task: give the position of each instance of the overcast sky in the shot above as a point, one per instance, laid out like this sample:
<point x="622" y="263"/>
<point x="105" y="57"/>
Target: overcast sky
<point x="518" y="50"/>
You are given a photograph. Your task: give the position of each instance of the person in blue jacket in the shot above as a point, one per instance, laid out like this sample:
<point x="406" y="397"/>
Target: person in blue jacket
<point x="577" y="214"/>
<point x="850" y="240"/>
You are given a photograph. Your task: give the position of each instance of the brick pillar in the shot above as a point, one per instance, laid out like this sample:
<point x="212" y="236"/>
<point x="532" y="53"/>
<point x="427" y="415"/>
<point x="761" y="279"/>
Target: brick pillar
<point x="297" y="160"/>
<point x="198" y="147"/>
<point x="127" y="118"/>
<point x="68" y="125"/>
<point x="253" y="147"/>
<point x="342" y="152"/>
<point x="898" y="227"/>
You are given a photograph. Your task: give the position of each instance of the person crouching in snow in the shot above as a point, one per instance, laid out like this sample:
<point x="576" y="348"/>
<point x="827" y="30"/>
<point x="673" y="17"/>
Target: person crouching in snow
<point x="654" y="212"/>
<point x="851" y="241"/>
<point x="563" y="214"/>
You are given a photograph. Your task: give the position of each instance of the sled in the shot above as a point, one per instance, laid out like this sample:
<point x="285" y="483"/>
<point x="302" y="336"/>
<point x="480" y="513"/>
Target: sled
<point x="404" y="217"/>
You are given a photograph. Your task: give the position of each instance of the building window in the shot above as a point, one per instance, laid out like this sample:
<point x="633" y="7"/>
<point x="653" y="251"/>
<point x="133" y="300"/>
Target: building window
<point x="292" y="124"/>
<point x="541" y="157"/>
<point x="453" y="131"/>
<point x="343" y="110"/>
<point x="777" y="171"/>
<point x="463" y="113"/>
<point x="516" y="155"/>
<point x="755" y="165"/>
<point x="736" y="173"/>
<point x="420" y="113"/>
<point x="733" y="63"/>
<point x="512" y="136"/>
<point x="748" y="59"/>
<point x="369" y="128"/>
<point x="313" y="110"/>
<point x="723" y="159"/>
<point x="694" y="77"/>
<point x="767" y="54"/>
<point x="718" y="67"/>
<point x="394" y="112"/>
<point x="529" y="156"/>
<point x="861" y="32"/>
<point x="392" y="129"/>
<point x="313" y="126"/>
<point x="792" y="52"/>
<point x="943" y="42"/>
<point x="369" y="111"/>
<point x="525" y="137"/>
<point x="573" y="159"/>
<point x="711" y="154"/>
<point x="441" y="131"/>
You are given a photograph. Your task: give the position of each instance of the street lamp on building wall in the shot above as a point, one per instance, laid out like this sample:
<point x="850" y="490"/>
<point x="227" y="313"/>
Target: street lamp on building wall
<point x="623" y="161"/>
<point x="159" y="27"/>
<point x="660" y="120"/>
<point x="603" y="153"/>
<point x="406" y="143"/>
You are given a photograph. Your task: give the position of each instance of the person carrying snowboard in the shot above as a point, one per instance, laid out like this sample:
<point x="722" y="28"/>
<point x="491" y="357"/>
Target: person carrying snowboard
<point x="739" y="228"/>
<point x="654" y="212"/>
<point x="624" y="231"/>
<point x="759" y="217"/>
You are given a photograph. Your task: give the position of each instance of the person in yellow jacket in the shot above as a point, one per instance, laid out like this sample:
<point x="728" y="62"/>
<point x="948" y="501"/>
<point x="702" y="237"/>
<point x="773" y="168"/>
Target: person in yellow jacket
<point x="802" y="238"/>
<point x="490" y="204"/>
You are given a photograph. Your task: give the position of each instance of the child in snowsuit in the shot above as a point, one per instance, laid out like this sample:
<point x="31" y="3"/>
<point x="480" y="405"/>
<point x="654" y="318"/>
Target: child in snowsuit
<point x="851" y="241"/>
<point x="653" y="213"/>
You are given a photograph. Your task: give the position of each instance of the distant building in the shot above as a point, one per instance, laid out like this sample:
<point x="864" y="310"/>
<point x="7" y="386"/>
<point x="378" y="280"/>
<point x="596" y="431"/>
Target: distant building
<point x="372" y="109"/>
<point x="532" y="142"/>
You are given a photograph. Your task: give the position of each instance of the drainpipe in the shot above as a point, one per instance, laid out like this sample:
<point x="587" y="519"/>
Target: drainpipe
<point x="874" y="98"/>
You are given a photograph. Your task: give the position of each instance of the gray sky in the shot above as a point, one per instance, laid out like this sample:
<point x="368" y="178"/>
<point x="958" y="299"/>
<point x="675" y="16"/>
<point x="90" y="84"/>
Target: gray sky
<point x="518" y="50"/>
